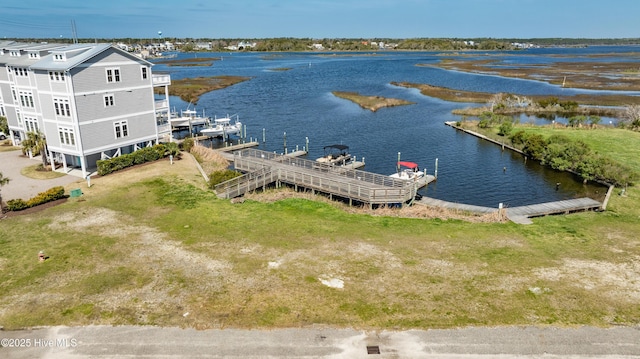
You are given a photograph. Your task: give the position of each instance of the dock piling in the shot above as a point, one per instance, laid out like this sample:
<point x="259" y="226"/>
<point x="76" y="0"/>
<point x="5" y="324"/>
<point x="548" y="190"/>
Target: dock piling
<point x="435" y="174"/>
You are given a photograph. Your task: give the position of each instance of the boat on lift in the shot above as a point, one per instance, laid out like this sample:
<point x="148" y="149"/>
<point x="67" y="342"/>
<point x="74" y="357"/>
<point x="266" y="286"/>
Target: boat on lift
<point x="336" y="155"/>
<point x="189" y="118"/>
<point x="223" y="127"/>
<point x="408" y="171"/>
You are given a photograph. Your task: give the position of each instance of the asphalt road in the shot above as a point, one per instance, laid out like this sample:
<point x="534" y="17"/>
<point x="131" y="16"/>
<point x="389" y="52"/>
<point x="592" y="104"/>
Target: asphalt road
<point x="320" y="342"/>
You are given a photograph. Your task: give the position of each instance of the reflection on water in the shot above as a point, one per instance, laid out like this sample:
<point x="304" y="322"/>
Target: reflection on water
<point x="299" y="102"/>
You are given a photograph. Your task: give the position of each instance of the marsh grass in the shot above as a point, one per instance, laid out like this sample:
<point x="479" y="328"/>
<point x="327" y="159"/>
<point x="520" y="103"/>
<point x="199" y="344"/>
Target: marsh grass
<point x="157" y="248"/>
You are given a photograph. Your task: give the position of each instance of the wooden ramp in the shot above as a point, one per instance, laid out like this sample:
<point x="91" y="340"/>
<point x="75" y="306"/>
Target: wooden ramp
<point x="521" y="214"/>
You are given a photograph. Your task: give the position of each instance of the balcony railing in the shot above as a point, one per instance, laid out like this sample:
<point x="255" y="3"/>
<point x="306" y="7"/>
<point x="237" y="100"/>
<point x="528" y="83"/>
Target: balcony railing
<point x="161" y="79"/>
<point x="162" y="105"/>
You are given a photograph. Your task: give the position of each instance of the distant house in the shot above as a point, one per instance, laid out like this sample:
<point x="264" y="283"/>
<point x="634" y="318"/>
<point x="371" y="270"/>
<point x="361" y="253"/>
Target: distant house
<point x="91" y="101"/>
<point x="203" y="45"/>
<point x="242" y="45"/>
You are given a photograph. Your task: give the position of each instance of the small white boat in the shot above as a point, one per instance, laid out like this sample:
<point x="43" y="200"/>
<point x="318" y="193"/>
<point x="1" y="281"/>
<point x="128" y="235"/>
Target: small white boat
<point x="336" y="155"/>
<point x="409" y="171"/>
<point x="223" y="127"/>
<point x="189" y="118"/>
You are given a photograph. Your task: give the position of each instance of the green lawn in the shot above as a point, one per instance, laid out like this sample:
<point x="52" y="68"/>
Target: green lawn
<point x="622" y="145"/>
<point x="163" y="250"/>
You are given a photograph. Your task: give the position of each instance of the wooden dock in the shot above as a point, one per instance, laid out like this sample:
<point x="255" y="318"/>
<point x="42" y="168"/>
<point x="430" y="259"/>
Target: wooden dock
<point x="266" y="168"/>
<point x="239" y="146"/>
<point x="521" y="214"/>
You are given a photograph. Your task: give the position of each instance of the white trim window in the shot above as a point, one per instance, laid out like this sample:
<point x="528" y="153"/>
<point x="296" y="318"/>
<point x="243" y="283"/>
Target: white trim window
<point x="26" y="99"/>
<point x="20" y="71"/>
<point x="145" y="73"/>
<point x="56" y="76"/>
<point x="61" y="106"/>
<point x="67" y="136"/>
<point x="31" y="124"/>
<point x="113" y="74"/>
<point x="121" y="128"/>
<point x="108" y="101"/>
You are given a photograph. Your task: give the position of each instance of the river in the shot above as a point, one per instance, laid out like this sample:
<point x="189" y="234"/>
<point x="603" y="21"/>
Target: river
<point x="298" y="101"/>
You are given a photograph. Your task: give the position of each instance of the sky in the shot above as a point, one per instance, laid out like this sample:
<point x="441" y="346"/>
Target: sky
<point x="319" y="19"/>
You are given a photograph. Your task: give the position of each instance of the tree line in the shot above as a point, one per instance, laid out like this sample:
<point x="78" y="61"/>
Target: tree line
<point x="353" y="44"/>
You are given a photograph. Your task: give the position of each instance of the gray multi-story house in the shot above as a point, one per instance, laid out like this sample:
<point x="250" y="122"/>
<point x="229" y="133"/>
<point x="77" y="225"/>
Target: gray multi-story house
<point x="90" y="101"/>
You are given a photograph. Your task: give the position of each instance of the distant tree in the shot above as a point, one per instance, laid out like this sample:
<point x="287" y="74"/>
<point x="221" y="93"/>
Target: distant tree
<point x="594" y="121"/>
<point x="534" y="146"/>
<point x="505" y="128"/>
<point x="577" y="121"/>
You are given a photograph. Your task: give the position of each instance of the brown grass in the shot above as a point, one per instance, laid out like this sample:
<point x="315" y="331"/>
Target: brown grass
<point x="190" y="89"/>
<point x="372" y="103"/>
<point x="210" y="160"/>
<point x="597" y="75"/>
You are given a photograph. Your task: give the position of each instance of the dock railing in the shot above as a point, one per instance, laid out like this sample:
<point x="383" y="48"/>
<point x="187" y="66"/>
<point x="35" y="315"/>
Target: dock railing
<point x="362" y="186"/>
<point x="246" y="183"/>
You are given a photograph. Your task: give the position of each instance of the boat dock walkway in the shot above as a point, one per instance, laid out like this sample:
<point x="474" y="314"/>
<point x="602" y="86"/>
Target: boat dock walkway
<point x="265" y="168"/>
<point x="521" y="214"/>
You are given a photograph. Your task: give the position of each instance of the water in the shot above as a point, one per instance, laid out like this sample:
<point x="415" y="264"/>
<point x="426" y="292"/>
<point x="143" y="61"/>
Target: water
<point x="299" y="102"/>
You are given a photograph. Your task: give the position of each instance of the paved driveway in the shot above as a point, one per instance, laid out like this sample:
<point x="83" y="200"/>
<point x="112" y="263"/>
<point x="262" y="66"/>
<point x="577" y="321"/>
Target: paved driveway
<point x="19" y="186"/>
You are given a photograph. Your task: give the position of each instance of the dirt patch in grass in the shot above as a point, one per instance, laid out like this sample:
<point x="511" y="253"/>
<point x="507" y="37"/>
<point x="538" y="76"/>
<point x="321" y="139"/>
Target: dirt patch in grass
<point x="620" y="280"/>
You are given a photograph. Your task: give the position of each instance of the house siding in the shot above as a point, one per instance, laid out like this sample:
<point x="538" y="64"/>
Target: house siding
<point x="85" y="86"/>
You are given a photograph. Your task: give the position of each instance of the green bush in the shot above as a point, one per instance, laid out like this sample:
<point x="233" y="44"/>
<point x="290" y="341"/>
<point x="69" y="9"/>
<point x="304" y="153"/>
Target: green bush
<point x="51" y="194"/>
<point x="534" y="146"/>
<point x="16" y="205"/>
<point x="218" y="177"/>
<point x="187" y="144"/>
<point x="505" y="128"/>
<point x="147" y="154"/>
<point x="519" y="138"/>
<point x="548" y="102"/>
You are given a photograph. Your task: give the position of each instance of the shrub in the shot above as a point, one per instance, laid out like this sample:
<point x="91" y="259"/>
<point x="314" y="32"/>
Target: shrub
<point x="505" y="128"/>
<point x="518" y="138"/>
<point x="147" y="154"/>
<point x="534" y="146"/>
<point x="548" y="102"/>
<point x="51" y="194"/>
<point x="218" y="177"/>
<point x="16" y="205"/>
<point x="187" y="144"/>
